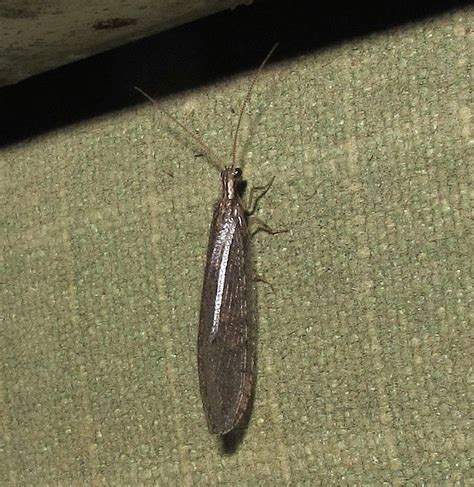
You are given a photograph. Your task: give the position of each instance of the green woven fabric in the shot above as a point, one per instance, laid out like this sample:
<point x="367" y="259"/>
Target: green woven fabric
<point x="363" y="367"/>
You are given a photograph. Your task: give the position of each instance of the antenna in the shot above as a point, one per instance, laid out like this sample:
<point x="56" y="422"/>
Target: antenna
<point x="209" y="153"/>
<point x="246" y="100"/>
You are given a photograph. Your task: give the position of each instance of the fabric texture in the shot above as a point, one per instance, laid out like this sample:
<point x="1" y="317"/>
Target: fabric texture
<point x="363" y="346"/>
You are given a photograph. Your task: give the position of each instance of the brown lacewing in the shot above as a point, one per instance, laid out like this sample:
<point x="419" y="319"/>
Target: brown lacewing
<point x="227" y="323"/>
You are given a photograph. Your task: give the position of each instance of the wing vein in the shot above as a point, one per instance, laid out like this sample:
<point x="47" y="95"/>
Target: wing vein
<point x="221" y="280"/>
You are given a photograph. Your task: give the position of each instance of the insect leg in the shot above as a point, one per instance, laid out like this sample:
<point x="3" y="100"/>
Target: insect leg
<point x="261" y="226"/>
<point x="254" y="199"/>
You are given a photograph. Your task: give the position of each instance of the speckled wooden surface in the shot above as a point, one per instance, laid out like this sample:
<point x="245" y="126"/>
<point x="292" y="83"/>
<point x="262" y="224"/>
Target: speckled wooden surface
<point x="38" y="36"/>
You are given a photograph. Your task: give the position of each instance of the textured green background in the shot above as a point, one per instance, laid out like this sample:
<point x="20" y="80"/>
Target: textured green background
<point x="363" y="349"/>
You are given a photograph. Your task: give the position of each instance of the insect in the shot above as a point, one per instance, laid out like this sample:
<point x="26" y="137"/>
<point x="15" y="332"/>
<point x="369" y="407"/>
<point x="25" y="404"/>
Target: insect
<point x="227" y="323"/>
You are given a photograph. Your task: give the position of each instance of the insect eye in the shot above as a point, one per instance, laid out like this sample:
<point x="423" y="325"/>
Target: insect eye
<point x="238" y="172"/>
